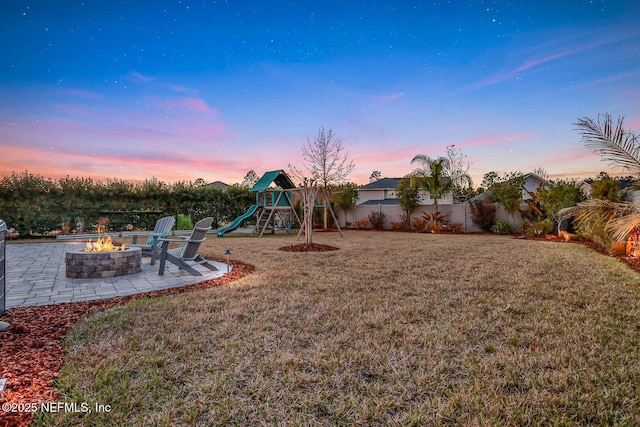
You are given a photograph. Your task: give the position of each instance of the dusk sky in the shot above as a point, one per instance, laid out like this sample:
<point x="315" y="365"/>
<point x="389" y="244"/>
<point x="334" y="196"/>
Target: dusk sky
<point x="180" y="90"/>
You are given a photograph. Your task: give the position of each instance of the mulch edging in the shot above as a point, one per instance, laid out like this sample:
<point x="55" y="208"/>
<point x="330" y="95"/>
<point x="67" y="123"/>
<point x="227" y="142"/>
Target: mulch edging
<point x="31" y="348"/>
<point x="308" y="247"/>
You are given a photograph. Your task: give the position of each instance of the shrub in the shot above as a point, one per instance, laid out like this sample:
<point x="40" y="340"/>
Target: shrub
<point x="418" y="224"/>
<point x="540" y="228"/>
<point x="34" y="205"/>
<point x="396" y="225"/>
<point x="184" y="222"/>
<point x="501" y="227"/>
<point x="377" y="220"/>
<point x="483" y="214"/>
<point x="535" y="228"/>
<point x="434" y="221"/>
<point x="453" y="226"/>
<point x="362" y="223"/>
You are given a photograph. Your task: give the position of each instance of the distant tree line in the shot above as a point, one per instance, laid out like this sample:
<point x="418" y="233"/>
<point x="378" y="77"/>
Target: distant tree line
<point x="33" y="204"/>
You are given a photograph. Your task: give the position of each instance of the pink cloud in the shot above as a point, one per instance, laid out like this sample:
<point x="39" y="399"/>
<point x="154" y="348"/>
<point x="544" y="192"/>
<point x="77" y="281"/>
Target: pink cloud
<point x="136" y="77"/>
<point x="567" y="157"/>
<point x="491" y="140"/>
<point x="79" y="93"/>
<point x="380" y="157"/>
<point x="191" y="104"/>
<point x="152" y="82"/>
<point x="634" y="125"/>
<point x="616" y="77"/>
<point x="197" y="104"/>
<point x="57" y="164"/>
<point x="75" y="109"/>
<point x="381" y="100"/>
<point x="181" y="89"/>
<point x="533" y="63"/>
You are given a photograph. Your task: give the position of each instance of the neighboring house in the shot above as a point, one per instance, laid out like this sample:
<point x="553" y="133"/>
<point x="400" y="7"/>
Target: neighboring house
<point x="585" y="186"/>
<point x="530" y="184"/>
<point x="625" y="185"/>
<point x="381" y="196"/>
<point x="381" y="192"/>
<point x="384" y="192"/>
<point x="218" y="184"/>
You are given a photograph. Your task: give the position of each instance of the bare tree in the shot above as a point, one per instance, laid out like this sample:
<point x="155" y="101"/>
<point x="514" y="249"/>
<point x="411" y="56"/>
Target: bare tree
<point x="309" y="191"/>
<point x="457" y="168"/>
<point x="326" y="159"/>
<point x="541" y="172"/>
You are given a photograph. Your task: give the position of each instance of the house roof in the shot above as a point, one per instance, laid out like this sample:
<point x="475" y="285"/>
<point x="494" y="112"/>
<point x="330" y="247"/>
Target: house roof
<point x="488" y="194"/>
<point x="382" y="184"/>
<point x="278" y="177"/>
<point x="380" y="202"/>
<point x="219" y="184"/>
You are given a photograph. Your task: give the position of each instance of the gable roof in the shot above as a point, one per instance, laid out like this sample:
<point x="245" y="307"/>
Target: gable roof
<point x="380" y="202"/>
<point x="382" y="184"/>
<point x="278" y="177"/>
<point x="218" y="184"/>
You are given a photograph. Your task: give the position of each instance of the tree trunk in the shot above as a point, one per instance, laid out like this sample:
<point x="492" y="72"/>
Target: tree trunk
<point x="324" y="213"/>
<point x="308" y="231"/>
<point x="309" y="191"/>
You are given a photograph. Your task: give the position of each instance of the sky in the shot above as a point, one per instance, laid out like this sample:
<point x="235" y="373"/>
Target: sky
<point x="182" y="90"/>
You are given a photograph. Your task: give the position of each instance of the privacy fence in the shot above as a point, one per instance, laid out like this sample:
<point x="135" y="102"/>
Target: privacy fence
<point x="458" y="213"/>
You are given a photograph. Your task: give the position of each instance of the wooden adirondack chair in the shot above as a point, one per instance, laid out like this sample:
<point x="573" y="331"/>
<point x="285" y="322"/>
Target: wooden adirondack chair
<point x="160" y="231"/>
<point x="187" y="255"/>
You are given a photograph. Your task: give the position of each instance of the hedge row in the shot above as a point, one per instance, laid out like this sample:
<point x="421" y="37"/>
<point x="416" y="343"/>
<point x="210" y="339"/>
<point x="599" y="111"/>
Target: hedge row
<point x="32" y="204"/>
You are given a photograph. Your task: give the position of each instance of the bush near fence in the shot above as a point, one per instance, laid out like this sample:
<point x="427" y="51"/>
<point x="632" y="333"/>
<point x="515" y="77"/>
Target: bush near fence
<point x="34" y="205"/>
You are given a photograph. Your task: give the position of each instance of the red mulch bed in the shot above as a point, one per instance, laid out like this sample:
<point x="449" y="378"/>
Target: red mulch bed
<point x="308" y="247"/>
<point x="31" y="348"/>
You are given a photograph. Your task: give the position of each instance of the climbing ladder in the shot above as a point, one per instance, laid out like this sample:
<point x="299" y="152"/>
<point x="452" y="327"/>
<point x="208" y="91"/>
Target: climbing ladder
<point x="275" y="218"/>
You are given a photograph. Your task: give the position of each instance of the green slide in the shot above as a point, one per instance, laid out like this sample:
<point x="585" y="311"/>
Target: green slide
<point x="236" y="223"/>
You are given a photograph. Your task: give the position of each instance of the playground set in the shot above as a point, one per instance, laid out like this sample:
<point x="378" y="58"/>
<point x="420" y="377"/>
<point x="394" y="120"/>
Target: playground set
<point x="274" y="207"/>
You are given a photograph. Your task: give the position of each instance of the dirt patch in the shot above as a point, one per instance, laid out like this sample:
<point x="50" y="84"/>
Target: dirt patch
<point x="308" y="247"/>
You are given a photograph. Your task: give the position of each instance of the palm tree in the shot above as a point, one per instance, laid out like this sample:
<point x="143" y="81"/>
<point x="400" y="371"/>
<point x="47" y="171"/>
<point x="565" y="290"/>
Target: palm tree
<point x="432" y="175"/>
<point x="622" y="148"/>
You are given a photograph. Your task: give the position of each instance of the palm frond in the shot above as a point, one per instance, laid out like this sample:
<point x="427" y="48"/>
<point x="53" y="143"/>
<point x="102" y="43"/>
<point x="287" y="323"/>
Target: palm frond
<point x="621" y="227"/>
<point x="613" y="142"/>
<point x="617" y="219"/>
<point x="421" y="158"/>
<point x="591" y="211"/>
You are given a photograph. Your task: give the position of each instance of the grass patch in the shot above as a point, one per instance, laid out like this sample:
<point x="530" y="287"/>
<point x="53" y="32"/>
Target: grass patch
<point x="392" y="329"/>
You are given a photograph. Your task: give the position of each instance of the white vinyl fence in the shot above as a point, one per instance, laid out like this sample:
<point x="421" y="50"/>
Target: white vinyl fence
<point x="459" y="212"/>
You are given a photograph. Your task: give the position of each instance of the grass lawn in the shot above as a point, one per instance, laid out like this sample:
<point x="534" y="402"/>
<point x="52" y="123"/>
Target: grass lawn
<point x="392" y="329"/>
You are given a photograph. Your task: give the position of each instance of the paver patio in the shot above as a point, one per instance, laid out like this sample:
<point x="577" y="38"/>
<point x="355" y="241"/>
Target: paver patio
<point x="35" y="275"/>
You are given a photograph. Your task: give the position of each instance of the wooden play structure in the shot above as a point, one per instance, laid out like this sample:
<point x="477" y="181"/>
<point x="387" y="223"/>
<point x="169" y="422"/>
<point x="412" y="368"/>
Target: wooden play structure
<point x="275" y="204"/>
<point x="274" y="208"/>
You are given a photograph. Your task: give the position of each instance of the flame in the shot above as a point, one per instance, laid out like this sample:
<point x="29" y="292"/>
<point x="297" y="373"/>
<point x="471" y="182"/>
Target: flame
<point x="103" y="244"/>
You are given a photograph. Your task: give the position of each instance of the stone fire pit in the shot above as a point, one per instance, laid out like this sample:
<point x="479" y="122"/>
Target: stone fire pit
<point x="94" y="265"/>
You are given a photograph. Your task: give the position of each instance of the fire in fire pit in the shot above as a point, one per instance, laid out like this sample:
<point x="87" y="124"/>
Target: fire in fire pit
<point x="101" y="259"/>
<point x="103" y="244"/>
